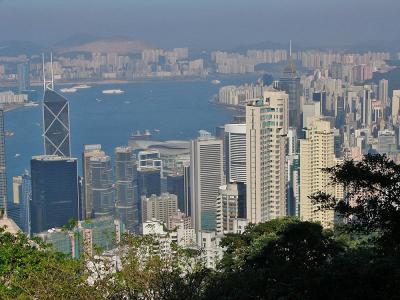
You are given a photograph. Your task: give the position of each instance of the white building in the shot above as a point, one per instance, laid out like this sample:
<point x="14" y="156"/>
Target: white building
<point x="267" y="126"/>
<point x="235" y="152"/>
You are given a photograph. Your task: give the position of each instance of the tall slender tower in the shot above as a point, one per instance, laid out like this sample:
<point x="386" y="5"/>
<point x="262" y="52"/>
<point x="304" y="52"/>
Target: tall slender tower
<point x="101" y="188"/>
<point x="56" y="130"/>
<point x="89" y="151"/>
<point x="3" y="177"/>
<point x="317" y="153"/>
<point x="206" y="176"/>
<point x="266" y="130"/>
<point x="290" y="83"/>
<point x="126" y="188"/>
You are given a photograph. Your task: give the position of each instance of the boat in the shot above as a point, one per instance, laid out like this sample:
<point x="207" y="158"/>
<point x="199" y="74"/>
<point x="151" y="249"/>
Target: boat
<point x="17" y="155"/>
<point x="215" y="81"/>
<point x="82" y="86"/>
<point x="8" y="133"/>
<point x="146" y="135"/>
<point x="69" y="90"/>
<point x="118" y="91"/>
<point x="99" y="100"/>
<point x="31" y="103"/>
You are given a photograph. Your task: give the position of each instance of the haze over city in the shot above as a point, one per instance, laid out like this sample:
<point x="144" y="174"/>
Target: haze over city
<point x="204" y="24"/>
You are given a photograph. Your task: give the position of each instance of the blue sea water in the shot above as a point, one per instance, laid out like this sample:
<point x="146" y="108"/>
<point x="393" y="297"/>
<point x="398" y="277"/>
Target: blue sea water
<point x="177" y="109"/>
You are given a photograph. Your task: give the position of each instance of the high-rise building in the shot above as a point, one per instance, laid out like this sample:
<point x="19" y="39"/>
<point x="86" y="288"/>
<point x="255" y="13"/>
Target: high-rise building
<point x="395" y="106"/>
<point x="176" y="186"/>
<point x="384" y="92"/>
<point x="160" y="208"/>
<point x="266" y="130"/>
<point x="55" y="197"/>
<point x="187" y="190"/>
<point x="231" y="202"/>
<point x="101" y="188"/>
<point x="87" y="202"/>
<point x="149" y="182"/>
<point x="126" y="189"/>
<point x="3" y="176"/>
<point x="235" y="152"/>
<point x="22" y="194"/>
<point x="290" y="83"/>
<point x="317" y="153"/>
<point x="56" y="124"/>
<point x="206" y="176"/>
<point x="293" y="174"/>
<point x="366" y="107"/>
<point x="23" y="76"/>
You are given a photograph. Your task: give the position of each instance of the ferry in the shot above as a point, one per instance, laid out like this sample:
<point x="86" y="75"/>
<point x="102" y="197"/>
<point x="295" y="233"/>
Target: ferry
<point x="146" y="135"/>
<point x="215" y="81"/>
<point x="69" y="90"/>
<point x="31" y="103"/>
<point x="113" y="91"/>
<point x="17" y="155"/>
<point x="8" y="133"/>
<point x="82" y="86"/>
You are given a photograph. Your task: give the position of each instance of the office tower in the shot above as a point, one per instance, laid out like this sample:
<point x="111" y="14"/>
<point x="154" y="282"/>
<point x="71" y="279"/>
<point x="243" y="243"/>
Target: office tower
<point x="293" y="176"/>
<point x="266" y="130"/>
<point x="56" y="124"/>
<point x="320" y="97"/>
<point x="101" y="188"/>
<point x="87" y="202"/>
<point x="22" y="194"/>
<point x="316" y="154"/>
<point x="290" y="83"/>
<point x="366" y="107"/>
<point x="187" y="190"/>
<point x="3" y="176"/>
<point x="150" y="159"/>
<point x="54" y="192"/>
<point x="230" y="206"/>
<point x="235" y="152"/>
<point x="126" y="188"/>
<point x="384" y="92"/>
<point x="23" y="76"/>
<point x="176" y="186"/>
<point x="149" y="182"/>
<point x="395" y="106"/>
<point x="206" y="176"/>
<point x="160" y="208"/>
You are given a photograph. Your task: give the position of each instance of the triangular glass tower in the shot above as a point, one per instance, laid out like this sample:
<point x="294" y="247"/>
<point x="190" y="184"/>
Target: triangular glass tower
<point x="56" y="124"/>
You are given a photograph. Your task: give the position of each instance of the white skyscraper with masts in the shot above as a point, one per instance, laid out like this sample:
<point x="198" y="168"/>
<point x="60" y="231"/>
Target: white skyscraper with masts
<point x="206" y="176"/>
<point x="266" y="130"/>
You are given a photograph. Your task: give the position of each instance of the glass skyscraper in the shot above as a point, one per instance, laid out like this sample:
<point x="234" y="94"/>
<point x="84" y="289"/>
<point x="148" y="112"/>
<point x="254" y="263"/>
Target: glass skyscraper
<point x="23" y="76"/>
<point x="56" y="124"/>
<point x="126" y="188"/>
<point x="55" y="195"/>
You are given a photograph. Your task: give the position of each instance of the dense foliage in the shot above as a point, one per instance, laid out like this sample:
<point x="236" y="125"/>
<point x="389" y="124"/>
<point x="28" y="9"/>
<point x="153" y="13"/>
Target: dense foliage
<point x="280" y="259"/>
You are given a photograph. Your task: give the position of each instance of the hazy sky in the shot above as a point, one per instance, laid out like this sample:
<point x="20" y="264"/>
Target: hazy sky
<point x="203" y="23"/>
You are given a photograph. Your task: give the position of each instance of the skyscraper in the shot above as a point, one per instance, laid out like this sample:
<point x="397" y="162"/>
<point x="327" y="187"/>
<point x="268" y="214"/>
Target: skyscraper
<point x="22" y="195"/>
<point x="383" y="92"/>
<point x="176" y="186"/>
<point x="89" y="151"/>
<point x="56" y="124"/>
<point x="160" y="208"/>
<point x="101" y="188"/>
<point x="23" y="76"/>
<point x="317" y="153"/>
<point x="55" y="197"/>
<point x="235" y="152"/>
<point x="206" y="176"/>
<point x="3" y="177"/>
<point x="126" y="188"/>
<point x="290" y="83"/>
<point x="266" y="129"/>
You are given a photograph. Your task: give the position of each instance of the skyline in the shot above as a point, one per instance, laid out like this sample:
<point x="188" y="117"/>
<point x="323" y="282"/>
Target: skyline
<point x="180" y="23"/>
